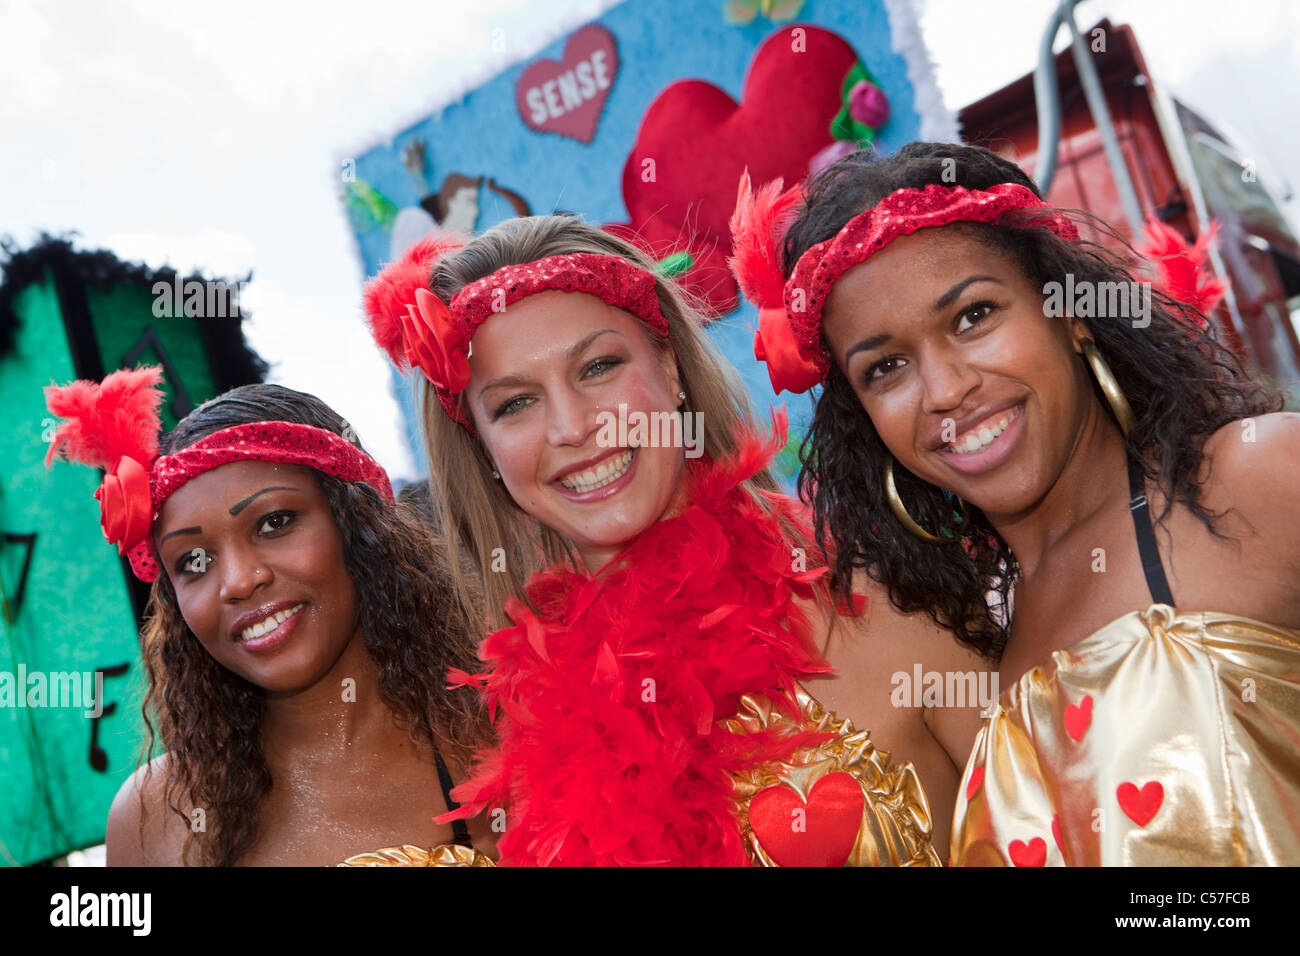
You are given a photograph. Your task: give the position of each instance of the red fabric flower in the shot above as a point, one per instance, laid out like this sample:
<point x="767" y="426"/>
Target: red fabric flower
<point x="775" y="344"/>
<point x="125" y="504"/>
<point x="432" y="344"/>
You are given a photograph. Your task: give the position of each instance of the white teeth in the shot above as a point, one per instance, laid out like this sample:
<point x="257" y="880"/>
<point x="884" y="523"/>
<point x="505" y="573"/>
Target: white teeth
<point x="267" y="625"/>
<point x="982" y="437"/>
<point x="611" y="469"/>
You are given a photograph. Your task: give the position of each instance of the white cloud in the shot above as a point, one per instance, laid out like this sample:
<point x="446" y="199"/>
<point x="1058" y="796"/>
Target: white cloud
<point x="214" y="252"/>
<point x="317" y="347"/>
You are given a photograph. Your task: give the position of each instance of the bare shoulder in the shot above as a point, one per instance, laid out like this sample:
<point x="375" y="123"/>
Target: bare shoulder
<point x="1256" y="459"/>
<point x="897" y="638"/>
<point x="910" y="652"/>
<point x="142" y="830"/>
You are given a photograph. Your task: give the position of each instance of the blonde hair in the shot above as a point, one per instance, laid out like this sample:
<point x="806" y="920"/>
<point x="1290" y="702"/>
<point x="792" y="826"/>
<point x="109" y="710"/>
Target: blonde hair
<point x="478" y="516"/>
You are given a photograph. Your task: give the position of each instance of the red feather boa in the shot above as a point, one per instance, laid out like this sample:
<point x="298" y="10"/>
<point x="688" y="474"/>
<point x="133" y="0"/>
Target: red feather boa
<point x="610" y="750"/>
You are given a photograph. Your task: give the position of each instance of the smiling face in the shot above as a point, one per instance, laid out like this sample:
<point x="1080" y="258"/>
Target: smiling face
<point x="969" y="385"/>
<point x="256" y="559"/>
<point x="543" y="371"/>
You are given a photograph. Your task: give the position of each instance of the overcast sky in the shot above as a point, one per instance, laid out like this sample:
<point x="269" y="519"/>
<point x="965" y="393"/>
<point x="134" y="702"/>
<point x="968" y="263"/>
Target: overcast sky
<point x="209" y="136"/>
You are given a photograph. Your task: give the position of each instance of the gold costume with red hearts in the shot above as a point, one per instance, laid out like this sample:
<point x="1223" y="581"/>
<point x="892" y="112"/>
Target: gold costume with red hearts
<point x="1164" y="739"/>
<point x="840" y="803"/>
<point x="652" y="713"/>
<point x="449" y="854"/>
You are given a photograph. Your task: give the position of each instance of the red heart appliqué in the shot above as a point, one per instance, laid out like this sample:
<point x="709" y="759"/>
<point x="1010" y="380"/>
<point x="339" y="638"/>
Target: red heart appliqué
<point x="1077" y="718"/>
<point x="1033" y="853"/>
<point x="1056" y="833"/>
<point x="567" y="97"/>
<point x="973" y="784"/>
<point x="1140" y="805"/>
<point x="822" y="835"/>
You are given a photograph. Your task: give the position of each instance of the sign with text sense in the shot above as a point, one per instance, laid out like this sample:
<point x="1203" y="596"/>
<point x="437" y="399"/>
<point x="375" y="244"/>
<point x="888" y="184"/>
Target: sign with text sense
<point x="566" y="97"/>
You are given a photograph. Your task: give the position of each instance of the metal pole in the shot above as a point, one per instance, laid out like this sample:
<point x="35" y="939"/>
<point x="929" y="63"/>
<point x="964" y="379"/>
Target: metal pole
<point x="1096" y="97"/>
<point x="1047" y="95"/>
<point x="1048" y="99"/>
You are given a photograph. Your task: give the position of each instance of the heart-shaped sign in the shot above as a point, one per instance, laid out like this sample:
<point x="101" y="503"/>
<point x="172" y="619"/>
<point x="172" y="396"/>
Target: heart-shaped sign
<point x="567" y="97"/>
<point x="819" y="833"/>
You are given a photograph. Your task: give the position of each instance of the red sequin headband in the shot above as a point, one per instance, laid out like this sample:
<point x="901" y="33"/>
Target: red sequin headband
<point x="418" y="330"/>
<point x="115" y="425"/>
<point x="790" y="313"/>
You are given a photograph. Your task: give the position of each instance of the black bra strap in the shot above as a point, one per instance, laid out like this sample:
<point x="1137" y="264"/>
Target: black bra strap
<point x="458" y="828"/>
<point x="1157" y="583"/>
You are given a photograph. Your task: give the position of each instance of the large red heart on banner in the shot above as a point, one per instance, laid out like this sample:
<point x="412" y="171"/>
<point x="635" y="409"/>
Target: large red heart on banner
<point x="567" y="97"/>
<point x="679" y="182"/>
<point x="819" y="833"/>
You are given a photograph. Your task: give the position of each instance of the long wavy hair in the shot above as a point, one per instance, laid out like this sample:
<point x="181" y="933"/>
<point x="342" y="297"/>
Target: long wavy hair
<point x="477" y="513"/>
<point x="209" y="718"/>
<point x="1182" y="383"/>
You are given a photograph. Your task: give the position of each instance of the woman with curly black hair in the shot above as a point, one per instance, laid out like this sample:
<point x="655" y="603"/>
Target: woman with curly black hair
<point x="1005" y="411"/>
<point x="299" y="636"/>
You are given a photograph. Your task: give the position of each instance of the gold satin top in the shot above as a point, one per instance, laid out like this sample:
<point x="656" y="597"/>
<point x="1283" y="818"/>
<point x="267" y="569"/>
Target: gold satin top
<point x="1164" y="739"/>
<point x="448" y="854"/>
<point x="839" y="803"/>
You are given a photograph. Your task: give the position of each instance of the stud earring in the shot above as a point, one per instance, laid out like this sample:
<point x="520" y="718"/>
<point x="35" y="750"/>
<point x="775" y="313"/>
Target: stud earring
<point x="496" y="475"/>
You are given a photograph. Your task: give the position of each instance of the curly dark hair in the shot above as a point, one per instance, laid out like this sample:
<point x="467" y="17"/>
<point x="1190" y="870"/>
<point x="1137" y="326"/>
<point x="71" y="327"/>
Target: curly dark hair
<point x="1182" y="383"/>
<point x="209" y="718"/>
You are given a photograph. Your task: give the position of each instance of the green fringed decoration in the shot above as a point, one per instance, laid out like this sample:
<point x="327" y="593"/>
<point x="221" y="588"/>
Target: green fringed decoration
<point x="674" y="265"/>
<point x="785" y="466"/>
<point x="741" y="13"/>
<point x="369" y="208"/>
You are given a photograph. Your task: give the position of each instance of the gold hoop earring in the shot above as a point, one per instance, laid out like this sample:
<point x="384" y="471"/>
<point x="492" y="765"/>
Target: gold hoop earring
<point x="1109" y="386"/>
<point x="900" y="510"/>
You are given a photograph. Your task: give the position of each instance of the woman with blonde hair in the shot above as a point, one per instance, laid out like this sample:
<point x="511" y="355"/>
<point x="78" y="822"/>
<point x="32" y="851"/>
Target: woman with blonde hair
<point x="670" y="678"/>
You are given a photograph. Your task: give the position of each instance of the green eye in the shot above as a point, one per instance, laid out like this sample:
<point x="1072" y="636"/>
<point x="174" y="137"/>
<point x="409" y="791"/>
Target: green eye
<point x="510" y="406"/>
<point x="601" y="365"/>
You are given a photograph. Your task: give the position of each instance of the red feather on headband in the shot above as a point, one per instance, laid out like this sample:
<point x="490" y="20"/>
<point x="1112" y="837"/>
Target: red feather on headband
<point x="388" y="294"/>
<point x="1183" y="275"/>
<point x="108" y="420"/>
<point x="759" y="220"/>
<point x="756" y="225"/>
